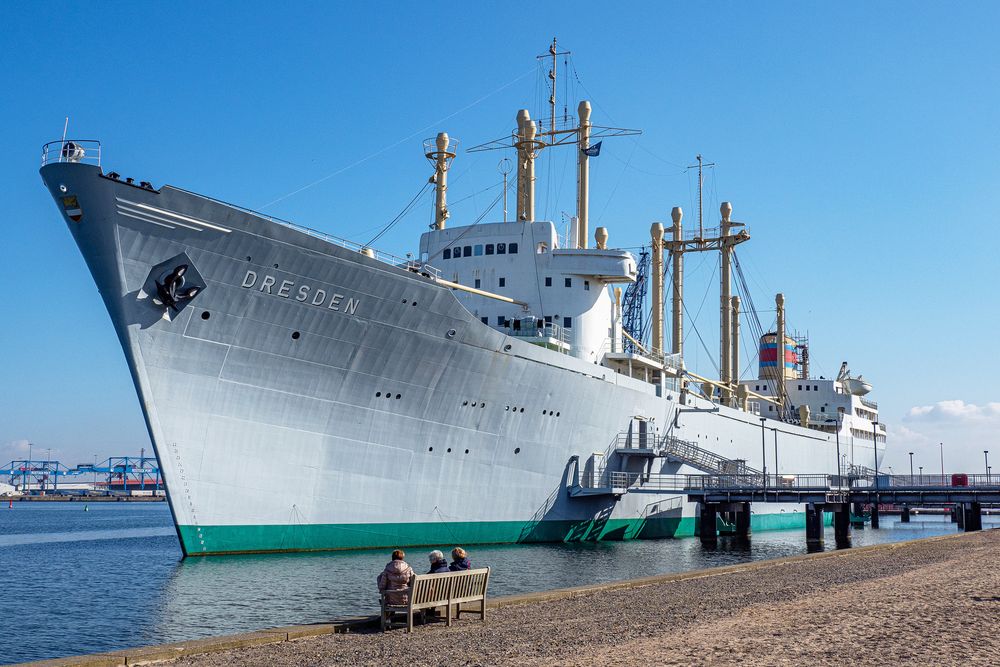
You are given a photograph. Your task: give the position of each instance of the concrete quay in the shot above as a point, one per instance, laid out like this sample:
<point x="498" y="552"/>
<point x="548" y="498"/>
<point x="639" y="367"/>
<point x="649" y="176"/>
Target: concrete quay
<point x="934" y="601"/>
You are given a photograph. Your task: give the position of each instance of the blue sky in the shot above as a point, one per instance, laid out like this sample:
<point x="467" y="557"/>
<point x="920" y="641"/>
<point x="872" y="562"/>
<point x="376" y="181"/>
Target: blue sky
<point x="859" y="144"/>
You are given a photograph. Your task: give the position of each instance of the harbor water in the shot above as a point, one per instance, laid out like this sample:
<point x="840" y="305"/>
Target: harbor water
<point x="87" y="578"/>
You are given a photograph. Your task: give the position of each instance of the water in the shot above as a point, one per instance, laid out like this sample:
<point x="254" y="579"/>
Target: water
<point x="111" y="577"/>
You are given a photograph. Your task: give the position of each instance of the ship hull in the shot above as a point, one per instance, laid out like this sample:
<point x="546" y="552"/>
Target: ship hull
<point x="310" y="397"/>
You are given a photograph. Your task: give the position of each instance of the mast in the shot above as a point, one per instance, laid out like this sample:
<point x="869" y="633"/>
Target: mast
<point x="701" y="186"/>
<point x="677" y="251"/>
<point x="441" y="158"/>
<point x="583" y="175"/>
<point x="725" y="303"/>
<point x="656" y="235"/>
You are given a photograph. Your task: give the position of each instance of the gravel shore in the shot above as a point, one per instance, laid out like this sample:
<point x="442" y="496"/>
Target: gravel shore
<point x="931" y="602"/>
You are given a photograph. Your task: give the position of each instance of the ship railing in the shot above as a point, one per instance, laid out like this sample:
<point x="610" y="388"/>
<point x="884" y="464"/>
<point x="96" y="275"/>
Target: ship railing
<point x="926" y="481"/>
<point x="407" y="263"/>
<point x="84" y="151"/>
<point x="868" y="403"/>
<point x="538" y="329"/>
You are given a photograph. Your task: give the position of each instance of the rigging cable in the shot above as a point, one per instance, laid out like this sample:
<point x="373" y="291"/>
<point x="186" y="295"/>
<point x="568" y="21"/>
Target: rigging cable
<point x="402" y="214"/>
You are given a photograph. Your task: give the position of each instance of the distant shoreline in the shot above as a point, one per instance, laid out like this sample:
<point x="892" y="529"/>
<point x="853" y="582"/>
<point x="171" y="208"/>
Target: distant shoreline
<point x="6" y="500"/>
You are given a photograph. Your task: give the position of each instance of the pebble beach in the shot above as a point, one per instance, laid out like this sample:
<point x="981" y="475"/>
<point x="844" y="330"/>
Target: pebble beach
<point x="926" y="602"/>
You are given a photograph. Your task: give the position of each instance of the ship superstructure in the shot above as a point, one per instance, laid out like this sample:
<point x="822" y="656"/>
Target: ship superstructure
<point x="466" y="395"/>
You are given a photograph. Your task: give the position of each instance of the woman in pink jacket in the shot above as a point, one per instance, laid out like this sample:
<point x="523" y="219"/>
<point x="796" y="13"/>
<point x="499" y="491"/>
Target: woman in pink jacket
<point x="395" y="579"/>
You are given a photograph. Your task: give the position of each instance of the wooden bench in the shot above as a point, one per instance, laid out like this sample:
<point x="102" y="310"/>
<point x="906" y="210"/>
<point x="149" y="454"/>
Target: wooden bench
<point x="428" y="591"/>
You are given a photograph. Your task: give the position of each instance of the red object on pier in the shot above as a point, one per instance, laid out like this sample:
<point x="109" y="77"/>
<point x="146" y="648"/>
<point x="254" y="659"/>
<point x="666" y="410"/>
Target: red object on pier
<point x="959" y="479"/>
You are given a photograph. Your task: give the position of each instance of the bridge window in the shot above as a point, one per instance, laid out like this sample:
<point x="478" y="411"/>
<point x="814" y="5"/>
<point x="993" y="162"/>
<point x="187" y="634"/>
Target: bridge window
<point x="807" y="387"/>
<point x="478" y="283"/>
<point x="548" y="319"/>
<point x="815" y="387"/>
<point x="458" y="252"/>
<point x="503" y="282"/>
<point x="586" y="285"/>
<point x="548" y="281"/>
<point x="567" y="322"/>
<point x="485" y="319"/>
<point x="800" y="387"/>
<point x="467" y="251"/>
<point x="501" y="248"/>
<point x="479" y="250"/>
<point x="500" y="320"/>
<point x="512" y="248"/>
<point x="489" y="248"/>
<point x="569" y="282"/>
<point x="446" y="254"/>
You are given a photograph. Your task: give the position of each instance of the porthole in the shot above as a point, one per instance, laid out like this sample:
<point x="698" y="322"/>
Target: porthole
<point x="449" y="450"/>
<point x="388" y="394"/>
<point x="464" y="403"/>
<point x="404" y="300"/>
<point x="295" y="335"/>
<point x="430" y="449"/>
<point x="275" y="266"/>
<point x="399" y="396"/>
<point x="451" y="333"/>
<point x="522" y="409"/>
<point x="474" y="404"/>
<point x="466" y="451"/>
<point x="482" y="405"/>
<point x="545" y="412"/>
<point x="506" y="348"/>
<point x="508" y="408"/>
<point x="413" y="303"/>
<point x="249" y="259"/>
<point x="205" y="315"/>
<point x="378" y="394"/>
<point x="557" y="414"/>
<point x="517" y="450"/>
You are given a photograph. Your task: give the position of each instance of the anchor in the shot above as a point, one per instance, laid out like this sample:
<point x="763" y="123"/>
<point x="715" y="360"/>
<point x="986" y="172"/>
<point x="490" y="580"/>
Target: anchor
<point x="169" y="288"/>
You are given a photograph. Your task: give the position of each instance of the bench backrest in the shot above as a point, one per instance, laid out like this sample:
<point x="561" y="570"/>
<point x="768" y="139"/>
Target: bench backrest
<point x="462" y="586"/>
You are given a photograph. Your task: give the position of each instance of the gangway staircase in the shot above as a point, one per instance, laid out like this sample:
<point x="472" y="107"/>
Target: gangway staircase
<point x="603" y="478"/>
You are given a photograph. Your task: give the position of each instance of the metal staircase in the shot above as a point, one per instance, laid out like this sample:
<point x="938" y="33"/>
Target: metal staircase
<point x="683" y="451"/>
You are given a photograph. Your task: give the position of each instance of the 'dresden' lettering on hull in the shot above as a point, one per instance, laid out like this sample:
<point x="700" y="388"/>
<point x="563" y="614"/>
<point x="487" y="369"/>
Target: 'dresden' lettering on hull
<point x="305" y="293"/>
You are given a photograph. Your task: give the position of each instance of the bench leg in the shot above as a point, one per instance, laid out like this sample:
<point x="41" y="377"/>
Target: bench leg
<point x="449" y="614"/>
<point x="482" y="611"/>
<point x="409" y="621"/>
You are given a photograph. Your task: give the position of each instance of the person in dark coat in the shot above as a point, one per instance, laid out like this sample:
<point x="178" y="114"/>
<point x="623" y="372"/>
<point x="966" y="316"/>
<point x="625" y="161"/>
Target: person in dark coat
<point x="459" y="560"/>
<point x="439" y="565"/>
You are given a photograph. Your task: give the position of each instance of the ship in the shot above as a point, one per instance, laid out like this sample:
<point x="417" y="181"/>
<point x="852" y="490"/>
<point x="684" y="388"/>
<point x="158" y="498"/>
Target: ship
<point x="504" y="383"/>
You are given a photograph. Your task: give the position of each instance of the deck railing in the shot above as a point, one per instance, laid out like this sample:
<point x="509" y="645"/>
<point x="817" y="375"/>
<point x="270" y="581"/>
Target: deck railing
<point x="86" y="151"/>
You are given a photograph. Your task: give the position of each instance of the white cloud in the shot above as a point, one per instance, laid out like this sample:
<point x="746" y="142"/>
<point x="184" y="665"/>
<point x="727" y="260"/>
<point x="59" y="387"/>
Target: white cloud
<point x="965" y="429"/>
<point x="19" y="449"/>
<point x="955" y="410"/>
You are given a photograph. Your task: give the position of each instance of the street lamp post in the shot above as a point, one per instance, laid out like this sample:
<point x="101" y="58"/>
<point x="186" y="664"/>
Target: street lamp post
<point x="911" y="467"/>
<point x="941" y="448"/>
<point x="986" y="453"/>
<point x="763" y="452"/>
<point x="921" y="474"/>
<point x="875" y="449"/>
<point x="836" y="421"/>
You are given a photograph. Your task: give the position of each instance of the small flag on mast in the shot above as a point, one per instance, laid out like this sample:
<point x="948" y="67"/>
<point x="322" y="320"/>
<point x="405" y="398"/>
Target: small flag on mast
<point x="593" y="151"/>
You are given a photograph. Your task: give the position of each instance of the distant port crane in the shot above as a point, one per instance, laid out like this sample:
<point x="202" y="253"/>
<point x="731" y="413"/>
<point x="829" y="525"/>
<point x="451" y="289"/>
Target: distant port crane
<point x="130" y="472"/>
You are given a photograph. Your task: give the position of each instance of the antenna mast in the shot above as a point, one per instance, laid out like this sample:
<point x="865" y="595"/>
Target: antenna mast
<point x="553" y="78"/>
<point x="701" y="185"/>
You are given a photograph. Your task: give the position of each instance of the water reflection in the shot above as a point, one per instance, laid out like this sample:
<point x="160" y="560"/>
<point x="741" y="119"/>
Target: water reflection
<point x="112" y="577"/>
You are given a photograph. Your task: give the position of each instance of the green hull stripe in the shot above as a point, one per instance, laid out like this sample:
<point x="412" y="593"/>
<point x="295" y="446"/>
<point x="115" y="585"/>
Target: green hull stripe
<point x="205" y="540"/>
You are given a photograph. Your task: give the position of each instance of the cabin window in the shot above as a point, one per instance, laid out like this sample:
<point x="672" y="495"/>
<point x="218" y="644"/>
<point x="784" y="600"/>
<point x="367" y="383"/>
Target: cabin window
<point x="807" y="387"/>
<point x="815" y="387"/>
<point x="485" y="319"/>
<point x="822" y="408"/>
<point x="479" y="283"/>
<point x="501" y="248"/>
<point x="503" y="282"/>
<point x="512" y="248"/>
<point x="499" y="320"/>
<point x="770" y="408"/>
<point x="586" y="285"/>
<point x="569" y="282"/>
<point x="800" y="387"/>
<point x="467" y="251"/>
<point x="458" y="252"/>
<point x="517" y="325"/>
<point x="548" y="319"/>
<point x="479" y="250"/>
<point x="489" y="248"/>
<point x="446" y="254"/>
<point x="548" y="281"/>
<point x="567" y="322"/>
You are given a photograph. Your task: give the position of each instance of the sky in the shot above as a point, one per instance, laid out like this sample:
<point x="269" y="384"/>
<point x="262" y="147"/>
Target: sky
<point x="857" y="141"/>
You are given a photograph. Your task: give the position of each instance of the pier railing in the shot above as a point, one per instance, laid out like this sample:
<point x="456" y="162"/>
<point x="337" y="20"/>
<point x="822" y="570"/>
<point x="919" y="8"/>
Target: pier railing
<point x="623" y="482"/>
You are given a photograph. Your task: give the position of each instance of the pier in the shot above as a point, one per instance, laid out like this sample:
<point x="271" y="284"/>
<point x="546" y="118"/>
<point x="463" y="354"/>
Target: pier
<point x="731" y="497"/>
